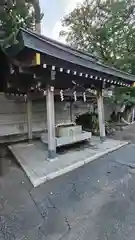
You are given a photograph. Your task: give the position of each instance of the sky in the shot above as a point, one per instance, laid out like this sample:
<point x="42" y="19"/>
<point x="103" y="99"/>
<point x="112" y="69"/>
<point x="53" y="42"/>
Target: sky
<point x="54" y="11"/>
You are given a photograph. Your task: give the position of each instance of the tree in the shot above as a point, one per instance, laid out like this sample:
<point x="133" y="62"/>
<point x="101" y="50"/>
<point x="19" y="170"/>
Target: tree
<point x="105" y="28"/>
<point x="123" y="98"/>
<point x="16" y="14"/>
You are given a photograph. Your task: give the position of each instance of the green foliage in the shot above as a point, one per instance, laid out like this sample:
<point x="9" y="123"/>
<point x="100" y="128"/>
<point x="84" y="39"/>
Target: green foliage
<point x="88" y="121"/>
<point x="23" y="13"/>
<point x="105" y="28"/>
<point x="123" y="96"/>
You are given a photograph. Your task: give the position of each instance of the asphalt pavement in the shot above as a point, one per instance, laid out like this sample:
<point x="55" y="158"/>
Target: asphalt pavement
<point x="94" y="202"/>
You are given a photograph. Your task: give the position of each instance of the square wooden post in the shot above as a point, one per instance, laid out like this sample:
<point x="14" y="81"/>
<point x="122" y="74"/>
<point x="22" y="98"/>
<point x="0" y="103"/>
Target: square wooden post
<point x="51" y="122"/>
<point x="101" y="115"/>
<point x="29" y="117"/>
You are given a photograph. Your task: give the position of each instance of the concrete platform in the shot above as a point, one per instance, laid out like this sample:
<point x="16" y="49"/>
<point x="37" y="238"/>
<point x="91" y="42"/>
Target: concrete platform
<point x="33" y="158"/>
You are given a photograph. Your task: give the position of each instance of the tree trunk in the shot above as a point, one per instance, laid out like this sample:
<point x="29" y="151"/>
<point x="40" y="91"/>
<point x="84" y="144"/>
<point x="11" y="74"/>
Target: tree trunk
<point x="37" y="16"/>
<point x="128" y="114"/>
<point x="129" y="118"/>
<point x="38" y="27"/>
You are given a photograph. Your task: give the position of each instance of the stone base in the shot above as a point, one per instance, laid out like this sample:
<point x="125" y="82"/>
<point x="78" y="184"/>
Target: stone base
<point x="102" y="139"/>
<point x="52" y="155"/>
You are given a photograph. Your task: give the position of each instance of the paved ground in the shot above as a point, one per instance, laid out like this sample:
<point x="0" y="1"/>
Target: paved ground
<point x="127" y="134"/>
<point x="33" y="158"/>
<point x="94" y="202"/>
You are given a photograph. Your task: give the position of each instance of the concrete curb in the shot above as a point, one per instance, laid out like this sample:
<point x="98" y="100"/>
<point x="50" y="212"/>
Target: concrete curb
<point x="76" y="165"/>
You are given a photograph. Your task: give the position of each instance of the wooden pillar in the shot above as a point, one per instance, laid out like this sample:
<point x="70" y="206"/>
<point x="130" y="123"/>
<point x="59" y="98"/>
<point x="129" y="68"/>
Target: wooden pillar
<point x="29" y="118"/>
<point x="51" y="122"/>
<point x="29" y="101"/>
<point x="101" y="115"/>
<point x="71" y="111"/>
